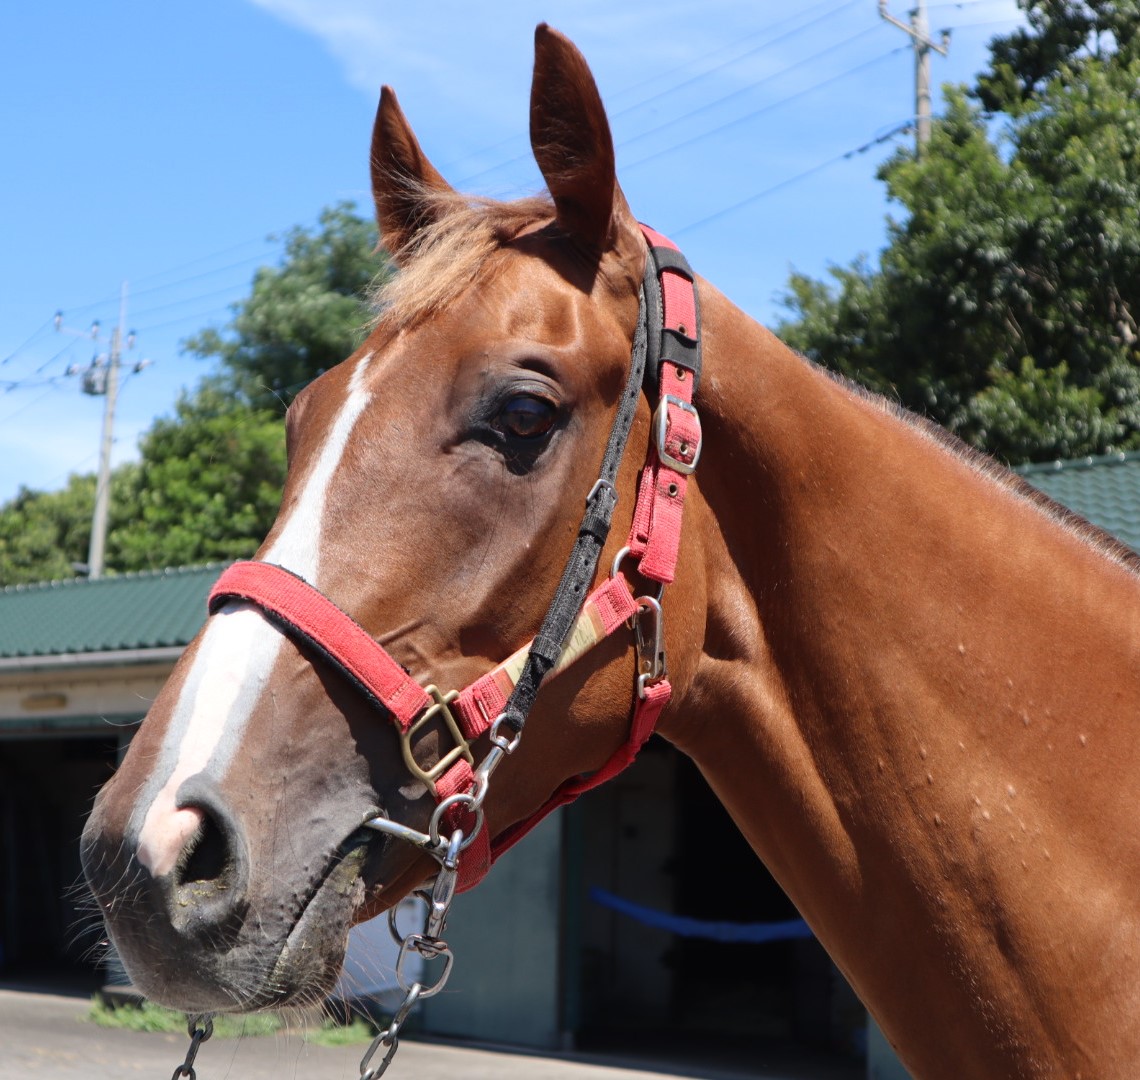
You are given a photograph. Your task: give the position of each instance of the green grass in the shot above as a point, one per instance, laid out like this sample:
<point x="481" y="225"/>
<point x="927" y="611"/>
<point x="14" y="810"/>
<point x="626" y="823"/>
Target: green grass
<point x="331" y="1033"/>
<point x="150" y="1017"/>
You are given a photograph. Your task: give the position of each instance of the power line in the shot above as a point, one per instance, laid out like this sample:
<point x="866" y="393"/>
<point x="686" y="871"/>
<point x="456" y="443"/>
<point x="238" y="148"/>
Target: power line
<point x="831" y="10"/>
<point x="987" y="22"/>
<point x="199" y="277"/>
<point x="847" y="154"/>
<point x="751" y="52"/>
<point x="673" y="121"/>
<point x="962" y="4"/>
<point x="767" y="29"/>
<point x="104" y="301"/>
<point x="51" y="360"/>
<point x="261" y="240"/>
<point x="32" y="381"/>
<point x="23" y="345"/>
<point x="185" y="318"/>
<point x="764" y="109"/>
<point x="225" y="290"/>
<point x="29" y="404"/>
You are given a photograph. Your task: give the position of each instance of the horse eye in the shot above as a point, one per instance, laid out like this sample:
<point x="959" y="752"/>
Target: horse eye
<point x="526" y="417"/>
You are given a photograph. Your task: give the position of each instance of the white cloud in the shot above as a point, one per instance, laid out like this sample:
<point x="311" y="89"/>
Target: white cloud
<point x="363" y="35"/>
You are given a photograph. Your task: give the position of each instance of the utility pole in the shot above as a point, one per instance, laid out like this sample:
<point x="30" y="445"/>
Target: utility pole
<point x="95" y="553"/>
<point x="103" y="380"/>
<point x="919" y="32"/>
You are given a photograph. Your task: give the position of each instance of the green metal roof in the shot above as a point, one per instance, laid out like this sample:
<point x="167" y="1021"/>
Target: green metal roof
<point x="129" y="611"/>
<point x="1106" y="490"/>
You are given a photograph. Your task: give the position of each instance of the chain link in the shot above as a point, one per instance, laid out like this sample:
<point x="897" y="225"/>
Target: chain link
<point x="389" y="1037"/>
<point x="428" y="944"/>
<point x="199" y="1028"/>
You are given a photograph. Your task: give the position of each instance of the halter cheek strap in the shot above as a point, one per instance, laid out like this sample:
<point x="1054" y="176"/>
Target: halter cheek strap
<point x="666" y="356"/>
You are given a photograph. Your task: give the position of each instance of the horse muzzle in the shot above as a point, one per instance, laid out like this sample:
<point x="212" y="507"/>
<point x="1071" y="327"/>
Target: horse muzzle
<point x="230" y="925"/>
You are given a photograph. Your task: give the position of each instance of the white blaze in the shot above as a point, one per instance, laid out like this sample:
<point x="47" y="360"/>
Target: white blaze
<point x="235" y="657"/>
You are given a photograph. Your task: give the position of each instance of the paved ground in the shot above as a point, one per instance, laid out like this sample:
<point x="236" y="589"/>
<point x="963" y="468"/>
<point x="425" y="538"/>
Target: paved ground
<point x="46" y="1035"/>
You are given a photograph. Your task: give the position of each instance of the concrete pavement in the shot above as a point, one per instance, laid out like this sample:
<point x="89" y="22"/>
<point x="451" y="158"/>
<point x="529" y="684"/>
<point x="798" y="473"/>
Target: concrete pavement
<point x="45" y="1035"/>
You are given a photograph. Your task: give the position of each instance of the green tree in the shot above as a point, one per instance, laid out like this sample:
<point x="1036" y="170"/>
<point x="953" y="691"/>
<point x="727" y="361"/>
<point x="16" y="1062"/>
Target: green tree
<point x="301" y="317"/>
<point x="45" y="535"/>
<point x="207" y="487"/>
<point x="1061" y="36"/>
<point x="1004" y="304"/>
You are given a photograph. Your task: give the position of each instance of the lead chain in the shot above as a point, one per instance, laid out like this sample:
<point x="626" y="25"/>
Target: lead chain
<point x="199" y="1028"/>
<point x="429" y="946"/>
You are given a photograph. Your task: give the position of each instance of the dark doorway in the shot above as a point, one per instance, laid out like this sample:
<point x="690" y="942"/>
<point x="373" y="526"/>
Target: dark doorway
<point x="658" y="837"/>
<point x="47" y="931"/>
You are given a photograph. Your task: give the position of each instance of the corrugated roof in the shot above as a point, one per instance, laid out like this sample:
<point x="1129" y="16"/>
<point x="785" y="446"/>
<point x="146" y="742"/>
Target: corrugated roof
<point x="1106" y="490"/>
<point x="129" y="611"/>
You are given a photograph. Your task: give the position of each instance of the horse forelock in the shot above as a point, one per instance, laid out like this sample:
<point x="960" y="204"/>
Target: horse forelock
<point x="447" y="254"/>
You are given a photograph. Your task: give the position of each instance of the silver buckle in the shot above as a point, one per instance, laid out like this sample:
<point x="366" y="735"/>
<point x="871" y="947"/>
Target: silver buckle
<point x="661" y="430"/>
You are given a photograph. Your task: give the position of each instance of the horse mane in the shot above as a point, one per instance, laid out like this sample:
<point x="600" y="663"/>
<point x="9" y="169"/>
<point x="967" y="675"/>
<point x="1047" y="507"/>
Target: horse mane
<point x="444" y="256"/>
<point x="997" y="473"/>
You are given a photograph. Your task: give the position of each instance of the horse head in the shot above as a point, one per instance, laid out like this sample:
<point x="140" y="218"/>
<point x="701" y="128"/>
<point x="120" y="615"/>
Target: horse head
<point x="435" y="488"/>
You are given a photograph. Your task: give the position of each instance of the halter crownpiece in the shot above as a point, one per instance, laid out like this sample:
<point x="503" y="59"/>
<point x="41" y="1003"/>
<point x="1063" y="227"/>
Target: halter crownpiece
<point x="666" y="361"/>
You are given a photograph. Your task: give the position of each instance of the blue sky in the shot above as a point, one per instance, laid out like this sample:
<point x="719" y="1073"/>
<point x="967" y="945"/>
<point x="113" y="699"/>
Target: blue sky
<point x="162" y="144"/>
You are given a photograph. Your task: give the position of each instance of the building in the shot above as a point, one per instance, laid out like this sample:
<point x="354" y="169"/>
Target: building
<point x="542" y="960"/>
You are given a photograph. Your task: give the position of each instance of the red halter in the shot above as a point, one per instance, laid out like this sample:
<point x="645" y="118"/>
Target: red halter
<point x="300" y="610"/>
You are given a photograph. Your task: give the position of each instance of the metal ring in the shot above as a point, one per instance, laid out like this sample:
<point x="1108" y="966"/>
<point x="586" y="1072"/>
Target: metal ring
<point x="443" y="807"/>
<point x="479" y="788"/>
<point x="428" y="949"/>
<point x="616" y="565"/>
<point x="394" y="912"/>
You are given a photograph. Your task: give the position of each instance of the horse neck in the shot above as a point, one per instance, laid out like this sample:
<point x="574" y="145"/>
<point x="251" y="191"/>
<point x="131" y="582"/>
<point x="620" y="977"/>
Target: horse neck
<point x="882" y="706"/>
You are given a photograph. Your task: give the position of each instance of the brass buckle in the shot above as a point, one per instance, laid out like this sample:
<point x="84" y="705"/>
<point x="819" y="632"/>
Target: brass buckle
<point x="440" y="707"/>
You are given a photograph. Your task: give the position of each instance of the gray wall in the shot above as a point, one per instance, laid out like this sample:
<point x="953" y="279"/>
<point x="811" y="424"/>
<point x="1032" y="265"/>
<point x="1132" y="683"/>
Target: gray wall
<point x="505" y="937"/>
<point x="882" y="1062"/>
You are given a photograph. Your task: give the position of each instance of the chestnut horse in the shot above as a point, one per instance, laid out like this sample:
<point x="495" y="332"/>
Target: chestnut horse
<point x="912" y="682"/>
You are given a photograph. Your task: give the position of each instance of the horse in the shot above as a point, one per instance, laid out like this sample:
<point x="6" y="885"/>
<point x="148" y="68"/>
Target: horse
<point x="911" y="680"/>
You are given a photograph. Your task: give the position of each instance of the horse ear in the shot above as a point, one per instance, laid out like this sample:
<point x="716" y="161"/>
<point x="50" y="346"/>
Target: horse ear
<point x="403" y="180"/>
<point x="571" y="139"/>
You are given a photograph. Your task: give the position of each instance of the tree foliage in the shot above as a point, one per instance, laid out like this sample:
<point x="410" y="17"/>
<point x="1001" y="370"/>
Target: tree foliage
<point x="209" y="478"/>
<point x="301" y="317"/>
<point x="45" y="535"/>
<point x="1005" y="303"/>
<point x="207" y="487"/>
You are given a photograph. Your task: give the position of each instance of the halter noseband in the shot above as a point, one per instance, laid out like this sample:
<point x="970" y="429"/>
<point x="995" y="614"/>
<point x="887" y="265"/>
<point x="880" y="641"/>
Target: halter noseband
<point x="666" y="358"/>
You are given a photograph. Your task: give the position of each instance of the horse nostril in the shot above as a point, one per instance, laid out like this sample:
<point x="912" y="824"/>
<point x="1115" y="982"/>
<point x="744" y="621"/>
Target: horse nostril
<point x="207" y="856"/>
<point x="208" y="886"/>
